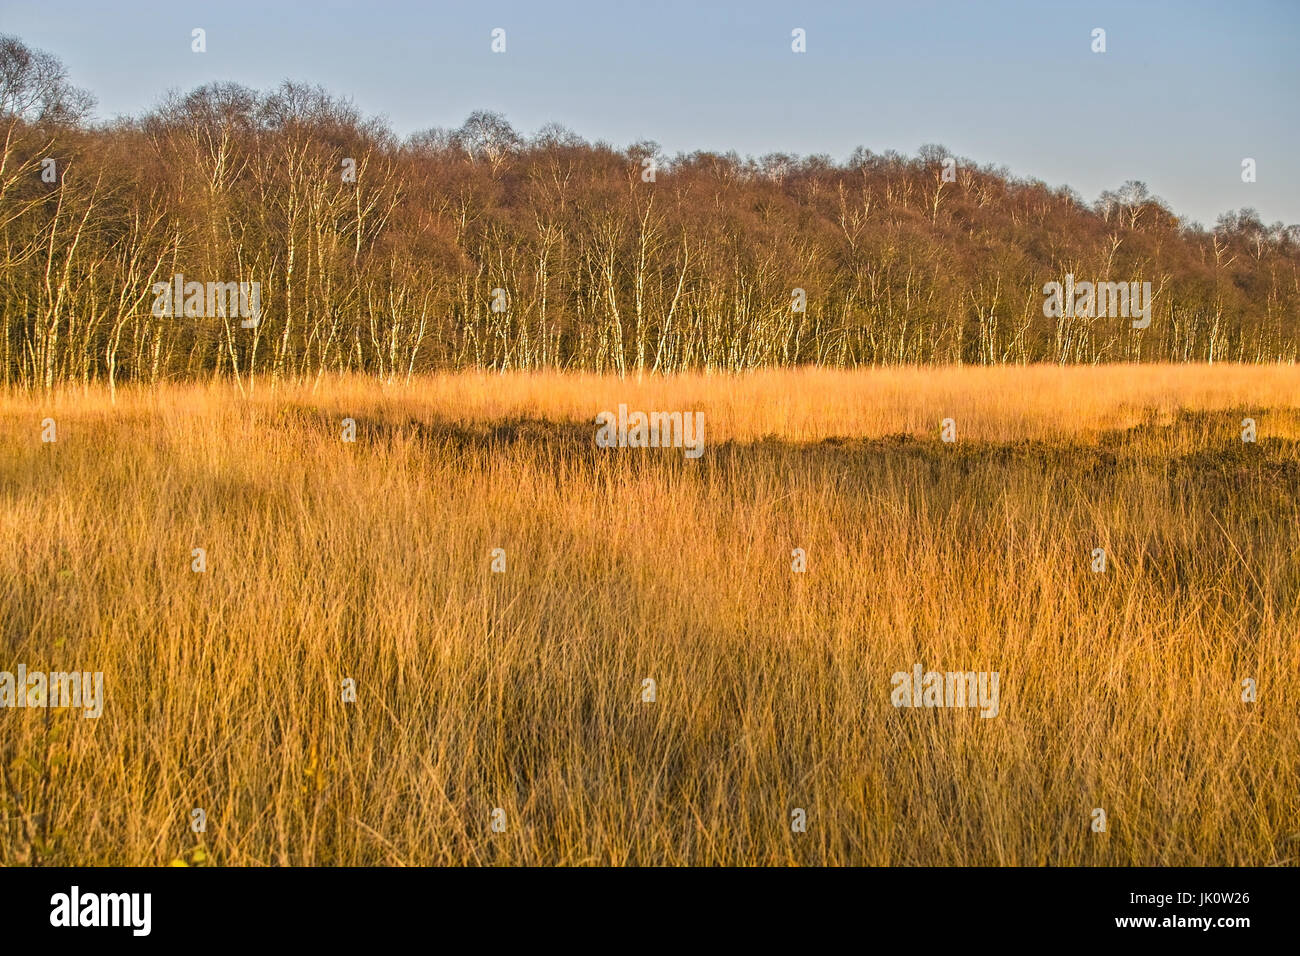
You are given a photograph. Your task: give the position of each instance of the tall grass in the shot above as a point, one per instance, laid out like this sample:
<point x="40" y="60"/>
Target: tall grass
<point x="522" y="690"/>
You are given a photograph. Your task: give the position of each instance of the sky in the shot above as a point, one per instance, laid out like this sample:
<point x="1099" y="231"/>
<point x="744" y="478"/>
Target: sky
<point x="1183" y="93"/>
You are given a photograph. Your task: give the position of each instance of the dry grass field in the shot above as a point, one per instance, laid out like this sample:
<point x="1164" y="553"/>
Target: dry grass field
<point x="522" y="690"/>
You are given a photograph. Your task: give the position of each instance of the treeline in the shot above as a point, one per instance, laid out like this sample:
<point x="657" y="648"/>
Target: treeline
<point x="478" y="247"/>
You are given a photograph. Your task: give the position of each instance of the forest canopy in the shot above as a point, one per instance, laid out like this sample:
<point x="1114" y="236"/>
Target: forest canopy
<point x="484" y="247"/>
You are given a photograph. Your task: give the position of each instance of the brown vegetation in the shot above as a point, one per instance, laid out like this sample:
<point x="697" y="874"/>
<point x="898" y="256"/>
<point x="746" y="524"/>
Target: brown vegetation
<point x="601" y="271"/>
<point x="521" y="690"/>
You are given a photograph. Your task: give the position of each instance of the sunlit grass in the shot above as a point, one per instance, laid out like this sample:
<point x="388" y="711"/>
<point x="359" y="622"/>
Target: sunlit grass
<point x="522" y="690"/>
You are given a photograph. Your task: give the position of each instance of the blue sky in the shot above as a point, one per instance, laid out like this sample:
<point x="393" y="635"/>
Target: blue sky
<point x="1184" y="92"/>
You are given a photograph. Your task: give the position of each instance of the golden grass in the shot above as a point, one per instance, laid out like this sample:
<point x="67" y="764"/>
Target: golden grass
<point x="522" y="690"/>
